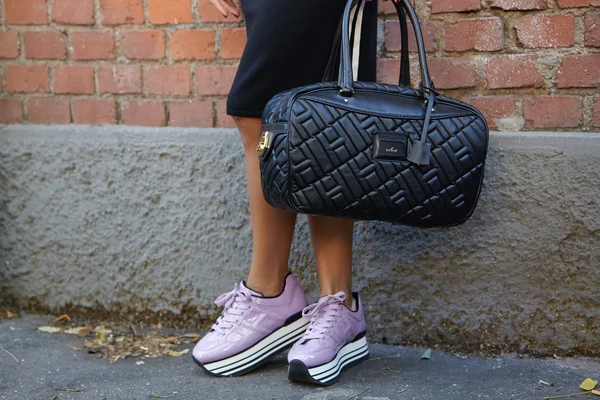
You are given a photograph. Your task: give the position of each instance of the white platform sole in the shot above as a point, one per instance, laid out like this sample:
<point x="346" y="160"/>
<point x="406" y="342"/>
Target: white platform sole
<point x="326" y="374"/>
<point x="249" y="359"/>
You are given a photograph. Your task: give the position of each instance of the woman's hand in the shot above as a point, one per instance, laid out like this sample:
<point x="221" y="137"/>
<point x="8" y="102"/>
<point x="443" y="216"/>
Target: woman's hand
<point x="226" y="7"/>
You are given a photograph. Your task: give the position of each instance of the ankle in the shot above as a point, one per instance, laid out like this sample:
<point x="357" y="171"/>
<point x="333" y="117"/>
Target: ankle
<point x="268" y="289"/>
<point x="347" y="301"/>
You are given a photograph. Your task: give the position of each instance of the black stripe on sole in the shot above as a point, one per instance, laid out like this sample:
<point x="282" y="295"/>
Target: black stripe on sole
<point x="255" y="363"/>
<point x="290" y="336"/>
<point x="298" y="371"/>
<point x="250" y="368"/>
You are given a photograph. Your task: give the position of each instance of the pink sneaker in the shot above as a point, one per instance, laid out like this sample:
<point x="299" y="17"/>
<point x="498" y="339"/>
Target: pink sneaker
<point x="334" y="341"/>
<point x="251" y="328"/>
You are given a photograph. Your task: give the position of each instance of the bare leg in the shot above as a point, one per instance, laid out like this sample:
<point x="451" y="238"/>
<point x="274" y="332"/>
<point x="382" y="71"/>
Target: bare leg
<point x="332" y="245"/>
<point x="272" y="229"/>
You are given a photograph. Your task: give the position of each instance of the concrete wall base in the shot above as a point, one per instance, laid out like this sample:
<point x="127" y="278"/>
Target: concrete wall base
<point x="157" y="219"/>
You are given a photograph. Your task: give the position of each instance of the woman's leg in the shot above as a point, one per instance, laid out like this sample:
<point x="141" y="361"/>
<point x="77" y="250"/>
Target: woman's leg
<point x="332" y="244"/>
<point x="253" y="328"/>
<point x="336" y="335"/>
<point x="272" y="229"/>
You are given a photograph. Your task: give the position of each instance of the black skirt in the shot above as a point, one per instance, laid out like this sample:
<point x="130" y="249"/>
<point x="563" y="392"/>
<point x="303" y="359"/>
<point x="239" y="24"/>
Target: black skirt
<point x="289" y="45"/>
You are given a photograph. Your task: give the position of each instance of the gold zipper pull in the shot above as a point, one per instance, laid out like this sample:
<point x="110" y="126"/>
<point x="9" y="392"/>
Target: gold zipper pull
<point x="264" y="144"/>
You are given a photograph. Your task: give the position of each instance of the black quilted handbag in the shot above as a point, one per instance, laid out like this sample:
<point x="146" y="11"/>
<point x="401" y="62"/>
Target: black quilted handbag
<point x="370" y="151"/>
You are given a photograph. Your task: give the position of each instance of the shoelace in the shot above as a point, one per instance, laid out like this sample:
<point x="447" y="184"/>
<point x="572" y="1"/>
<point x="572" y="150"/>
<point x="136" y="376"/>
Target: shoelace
<point x="323" y="315"/>
<point x="235" y="304"/>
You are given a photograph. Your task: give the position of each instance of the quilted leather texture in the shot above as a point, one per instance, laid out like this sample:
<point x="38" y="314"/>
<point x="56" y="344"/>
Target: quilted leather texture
<point x="322" y="162"/>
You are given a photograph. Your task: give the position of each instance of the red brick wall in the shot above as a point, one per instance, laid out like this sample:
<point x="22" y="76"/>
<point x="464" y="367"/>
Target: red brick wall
<point x="528" y="64"/>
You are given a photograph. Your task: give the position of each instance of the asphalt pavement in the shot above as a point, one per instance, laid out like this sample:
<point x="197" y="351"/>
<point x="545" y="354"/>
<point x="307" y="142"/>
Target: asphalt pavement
<point x="47" y="362"/>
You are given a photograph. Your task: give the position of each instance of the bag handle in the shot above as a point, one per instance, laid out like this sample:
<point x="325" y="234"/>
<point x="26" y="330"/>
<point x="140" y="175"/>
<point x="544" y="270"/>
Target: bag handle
<point x="357" y="39"/>
<point x="334" y="57"/>
<point x="345" y="79"/>
<point x="404" y="79"/>
<point x="420" y="152"/>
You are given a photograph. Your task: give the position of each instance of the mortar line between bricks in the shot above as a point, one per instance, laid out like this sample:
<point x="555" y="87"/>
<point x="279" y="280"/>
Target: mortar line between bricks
<point x="218" y="52"/>
<point x="519" y="108"/>
<point x="551" y="51"/>
<point x="194" y="82"/>
<point x="196" y="12"/>
<point x="51" y="72"/>
<point x="71" y="115"/>
<point x="104" y="96"/>
<point x="440" y="52"/>
<point x="215" y="114"/>
<point x="588" y="111"/>
<point x="146" y="14"/>
<point x="579" y="32"/>
<point x="92" y="27"/>
<point x="119" y="111"/>
<point x="514" y="14"/>
<point x="458" y="55"/>
<point x="439" y="38"/>
<point x="97" y="14"/>
<point x="144" y="78"/>
<point x="167" y="106"/>
<point x="96" y="82"/>
<point x="4" y="92"/>
<point x="456" y="92"/>
<point x="69" y="47"/>
<point x="49" y="7"/>
<point x="2" y="18"/>
<point x="167" y="38"/>
<point x="25" y="106"/>
<point x="105" y="62"/>
<point x="20" y="47"/>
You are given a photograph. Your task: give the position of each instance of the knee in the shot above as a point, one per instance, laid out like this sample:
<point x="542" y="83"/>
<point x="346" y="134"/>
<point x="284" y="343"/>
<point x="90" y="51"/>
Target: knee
<point x="249" y="131"/>
<point x="239" y="121"/>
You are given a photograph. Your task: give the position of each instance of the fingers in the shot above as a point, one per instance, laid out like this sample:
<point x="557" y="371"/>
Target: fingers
<point x="226" y="7"/>
<point x="232" y="6"/>
<point x="218" y="6"/>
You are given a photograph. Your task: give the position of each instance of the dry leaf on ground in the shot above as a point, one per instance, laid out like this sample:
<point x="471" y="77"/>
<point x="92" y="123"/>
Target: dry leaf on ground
<point x="79" y="330"/>
<point x="62" y="318"/>
<point x="193" y="337"/>
<point x="101" y="331"/>
<point x="49" y="329"/>
<point x="174" y="353"/>
<point x="149" y="345"/>
<point x="588" y="384"/>
<point x="123" y="342"/>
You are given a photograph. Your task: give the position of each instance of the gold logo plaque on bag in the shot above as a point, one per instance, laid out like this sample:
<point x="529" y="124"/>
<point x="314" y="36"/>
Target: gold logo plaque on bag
<point x="265" y="143"/>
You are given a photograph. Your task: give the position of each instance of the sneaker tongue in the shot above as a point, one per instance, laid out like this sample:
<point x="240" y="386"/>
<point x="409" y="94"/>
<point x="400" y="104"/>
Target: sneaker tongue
<point x="254" y="292"/>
